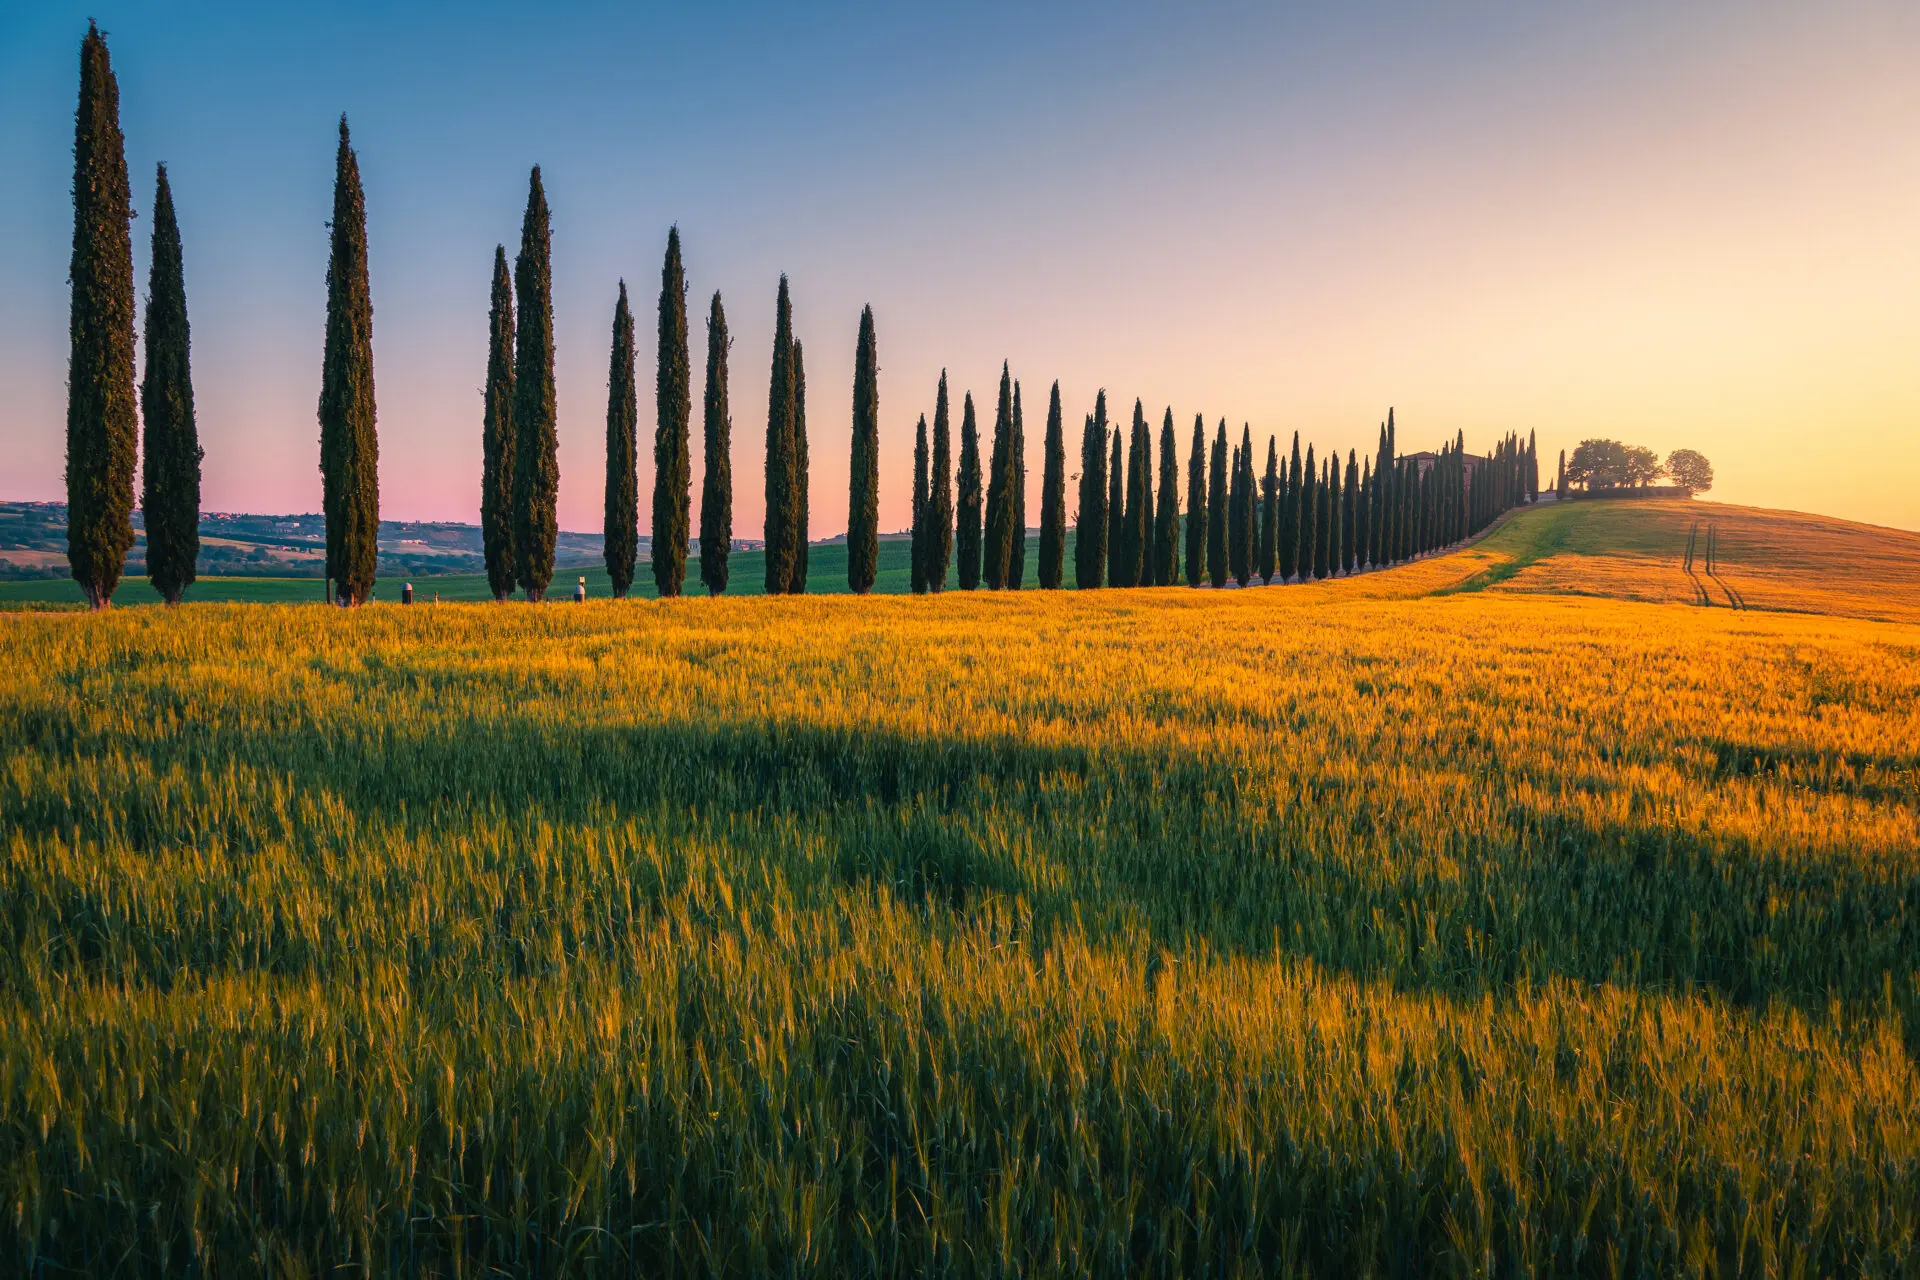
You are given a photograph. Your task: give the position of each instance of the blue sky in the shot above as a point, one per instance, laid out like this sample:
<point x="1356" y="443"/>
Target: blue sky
<point x="1680" y="225"/>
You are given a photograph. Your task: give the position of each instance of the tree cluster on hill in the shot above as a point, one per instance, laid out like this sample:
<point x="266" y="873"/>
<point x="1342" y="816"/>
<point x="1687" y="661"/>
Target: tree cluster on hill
<point x="1609" y="464"/>
<point x="1284" y="520"/>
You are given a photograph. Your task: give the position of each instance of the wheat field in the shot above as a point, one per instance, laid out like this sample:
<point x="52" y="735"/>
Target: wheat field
<point x="1458" y="919"/>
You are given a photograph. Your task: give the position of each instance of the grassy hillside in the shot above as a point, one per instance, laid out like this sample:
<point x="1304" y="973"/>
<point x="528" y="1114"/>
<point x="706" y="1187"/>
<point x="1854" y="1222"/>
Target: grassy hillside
<point x="1778" y="560"/>
<point x="1419" y="922"/>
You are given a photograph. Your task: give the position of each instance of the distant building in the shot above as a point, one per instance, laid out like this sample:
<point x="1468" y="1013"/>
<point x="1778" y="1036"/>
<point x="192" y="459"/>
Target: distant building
<point x="1427" y="459"/>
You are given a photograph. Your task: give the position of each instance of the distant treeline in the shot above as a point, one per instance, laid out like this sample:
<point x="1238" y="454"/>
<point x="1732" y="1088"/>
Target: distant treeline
<point x="1299" y="519"/>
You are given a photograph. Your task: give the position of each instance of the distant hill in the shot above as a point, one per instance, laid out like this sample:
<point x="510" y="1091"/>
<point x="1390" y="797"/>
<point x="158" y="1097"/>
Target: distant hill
<point x="33" y="544"/>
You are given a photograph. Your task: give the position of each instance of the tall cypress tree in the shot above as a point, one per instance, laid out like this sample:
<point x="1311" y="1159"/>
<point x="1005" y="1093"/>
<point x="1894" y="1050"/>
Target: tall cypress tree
<point x="1410" y="490"/>
<point x="781" y="518"/>
<point x="1090" y="520"/>
<point x="672" y="449"/>
<point x="1350" y="513"/>
<point x="996" y="547"/>
<point x="1236" y="512"/>
<point x="1309" y="519"/>
<point x="1363" y="515"/>
<point x="1245" y="531"/>
<point x="496" y="435"/>
<point x="536" y="465"/>
<point x="1053" y="499"/>
<point x="101" y="440"/>
<point x="863" y="496"/>
<point x="1017" y="559"/>
<point x="1336" y="511"/>
<point x="1217" y="498"/>
<point x="798" y="583"/>
<point x="1460" y="516"/>
<point x="1117" y="516"/>
<point x="1335" y="517"/>
<point x="1138" y="527"/>
<point x="918" y="546"/>
<point x="939" y="539"/>
<point x="170" y="498"/>
<point x="349" y="448"/>
<point x="620" y="532"/>
<point x="1197" y="504"/>
<point x="1326" y="538"/>
<point x="1560" y="477"/>
<point x="1166" y="514"/>
<point x="1290" y="517"/>
<point x="1270" y="514"/>
<point x="1382" y="530"/>
<point x="967" y="535"/>
<point x="716" y="486"/>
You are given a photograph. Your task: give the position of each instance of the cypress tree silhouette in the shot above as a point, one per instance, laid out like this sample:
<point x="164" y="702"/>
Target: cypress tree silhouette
<point x="1560" y="479"/>
<point x="1428" y="489"/>
<point x="1053" y="499"/>
<point x="1363" y="515"/>
<point x="716" y="487"/>
<point x="863" y="488"/>
<point x="1328" y="552"/>
<point x="536" y="464"/>
<point x="170" y="497"/>
<point x="1290" y="517"/>
<point x="1330" y="506"/>
<point x="1236" y="503"/>
<point x="1377" y="506"/>
<point x="1270" y="514"/>
<point x="1349" y="513"/>
<point x="1116" y="515"/>
<point x="918" y="545"/>
<point x="496" y="435"/>
<point x="1242" y="530"/>
<point x="101" y="439"/>
<point x="1166" y="515"/>
<point x="1090" y="520"/>
<point x="1409" y="506"/>
<point x="1137" y="528"/>
<point x="939" y="537"/>
<point x="349" y="448"/>
<point x="1396" y="522"/>
<point x="798" y="583"/>
<point x="1017" y="560"/>
<point x="1217" y="502"/>
<point x="673" y="401"/>
<point x="996" y="548"/>
<point x="1533" y="467"/>
<point x="1197" y="504"/>
<point x="621" y="530"/>
<point x="1309" y="519"/>
<point x="1458" y="530"/>
<point x="1143" y="523"/>
<point x="967" y="535"/>
<point x="781" y="518"/>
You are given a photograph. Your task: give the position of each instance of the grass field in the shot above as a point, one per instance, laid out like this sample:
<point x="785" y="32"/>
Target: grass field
<point x="1460" y="918"/>
<point x="826" y="575"/>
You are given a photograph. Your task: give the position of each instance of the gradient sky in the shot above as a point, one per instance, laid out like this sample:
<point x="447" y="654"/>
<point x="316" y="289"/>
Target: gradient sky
<point x="1691" y="225"/>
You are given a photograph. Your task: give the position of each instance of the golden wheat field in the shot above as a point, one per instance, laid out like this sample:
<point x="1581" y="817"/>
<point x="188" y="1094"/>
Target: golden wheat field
<point x="1439" y="921"/>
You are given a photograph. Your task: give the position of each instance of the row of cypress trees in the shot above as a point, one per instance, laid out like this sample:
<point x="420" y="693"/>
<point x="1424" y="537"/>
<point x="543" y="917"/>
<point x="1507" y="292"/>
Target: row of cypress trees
<point x="1298" y="521"/>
